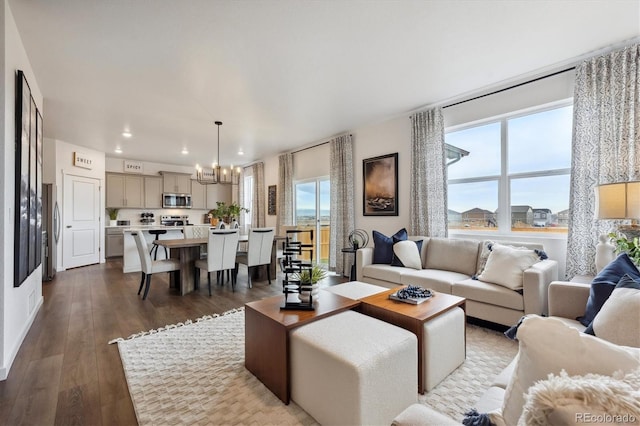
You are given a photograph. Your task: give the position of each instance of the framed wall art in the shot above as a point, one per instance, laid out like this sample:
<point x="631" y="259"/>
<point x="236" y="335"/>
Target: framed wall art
<point x="271" y="200"/>
<point x="380" y="185"/>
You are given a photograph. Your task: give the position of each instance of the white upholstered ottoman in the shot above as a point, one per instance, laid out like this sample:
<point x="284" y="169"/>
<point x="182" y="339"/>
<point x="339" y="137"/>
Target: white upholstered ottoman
<point x="351" y="369"/>
<point x="444" y="346"/>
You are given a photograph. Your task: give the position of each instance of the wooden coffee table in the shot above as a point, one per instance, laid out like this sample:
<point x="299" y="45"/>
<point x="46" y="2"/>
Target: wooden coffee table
<point x="266" y="341"/>
<point x="410" y="317"/>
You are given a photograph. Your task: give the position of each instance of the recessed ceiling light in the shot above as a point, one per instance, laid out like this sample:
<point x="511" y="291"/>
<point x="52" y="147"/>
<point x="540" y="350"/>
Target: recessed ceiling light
<point x="185" y="151"/>
<point x="240" y="152"/>
<point x="118" y="151"/>
<point x="126" y="134"/>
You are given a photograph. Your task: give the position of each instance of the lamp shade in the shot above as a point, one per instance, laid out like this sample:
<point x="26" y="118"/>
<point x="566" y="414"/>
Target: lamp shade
<point x="618" y="200"/>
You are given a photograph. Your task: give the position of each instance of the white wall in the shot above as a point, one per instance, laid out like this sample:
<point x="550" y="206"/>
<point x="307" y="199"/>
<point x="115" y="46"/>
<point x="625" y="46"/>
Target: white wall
<point x="18" y="306"/>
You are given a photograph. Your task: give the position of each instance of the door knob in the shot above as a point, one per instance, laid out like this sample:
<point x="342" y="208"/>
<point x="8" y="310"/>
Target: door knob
<point x="68" y="226"/>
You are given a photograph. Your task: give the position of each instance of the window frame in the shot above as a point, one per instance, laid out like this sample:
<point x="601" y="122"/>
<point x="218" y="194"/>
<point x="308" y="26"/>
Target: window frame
<point x="505" y="178"/>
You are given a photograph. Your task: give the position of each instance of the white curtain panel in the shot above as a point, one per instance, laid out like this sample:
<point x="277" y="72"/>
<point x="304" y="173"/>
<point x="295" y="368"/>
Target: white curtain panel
<point x="258" y="209"/>
<point x="605" y="147"/>
<point x="342" y="199"/>
<point x="428" y="190"/>
<point x="285" y="191"/>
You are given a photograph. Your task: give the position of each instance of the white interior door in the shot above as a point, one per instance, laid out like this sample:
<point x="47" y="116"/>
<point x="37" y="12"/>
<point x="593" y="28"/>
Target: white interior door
<point x="81" y="216"/>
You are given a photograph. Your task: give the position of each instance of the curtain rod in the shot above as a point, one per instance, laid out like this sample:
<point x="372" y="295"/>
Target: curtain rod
<point x="313" y="146"/>
<point x="511" y="87"/>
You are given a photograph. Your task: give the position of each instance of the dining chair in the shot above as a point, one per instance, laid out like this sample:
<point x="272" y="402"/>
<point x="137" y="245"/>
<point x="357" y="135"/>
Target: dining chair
<point x="149" y="266"/>
<point x="221" y="248"/>
<point x="195" y="231"/>
<point x="258" y="251"/>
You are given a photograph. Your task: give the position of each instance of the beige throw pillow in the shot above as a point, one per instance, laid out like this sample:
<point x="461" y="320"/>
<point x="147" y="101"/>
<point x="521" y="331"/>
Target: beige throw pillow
<point x="407" y="252"/>
<point x="619" y="318"/>
<point x="548" y="346"/>
<point x="505" y="266"/>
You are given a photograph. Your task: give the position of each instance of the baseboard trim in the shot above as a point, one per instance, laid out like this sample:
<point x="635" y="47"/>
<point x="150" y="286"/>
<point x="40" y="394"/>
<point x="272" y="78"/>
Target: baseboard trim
<point x="4" y="370"/>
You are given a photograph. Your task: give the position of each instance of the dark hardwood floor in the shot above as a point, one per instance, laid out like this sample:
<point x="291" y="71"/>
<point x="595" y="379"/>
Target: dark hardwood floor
<point x="65" y="372"/>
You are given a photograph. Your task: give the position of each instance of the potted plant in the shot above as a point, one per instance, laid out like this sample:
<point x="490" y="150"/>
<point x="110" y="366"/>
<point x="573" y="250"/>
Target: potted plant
<point x="226" y="213"/>
<point x="310" y="277"/>
<point x="629" y="246"/>
<point x="113" y="215"/>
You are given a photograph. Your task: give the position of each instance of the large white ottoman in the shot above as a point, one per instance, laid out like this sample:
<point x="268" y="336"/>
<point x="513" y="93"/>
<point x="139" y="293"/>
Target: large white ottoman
<point x="355" y="290"/>
<point x="351" y="369"/>
<point x="444" y="346"/>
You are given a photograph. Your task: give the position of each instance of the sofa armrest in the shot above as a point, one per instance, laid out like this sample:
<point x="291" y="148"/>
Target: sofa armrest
<point x="568" y="299"/>
<point x="364" y="257"/>
<point x="421" y="415"/>
<point x="535" y="284"/>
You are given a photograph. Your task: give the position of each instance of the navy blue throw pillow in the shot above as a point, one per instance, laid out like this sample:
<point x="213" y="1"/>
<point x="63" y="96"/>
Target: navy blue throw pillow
<point x="603" y="284"/>
<point x="398" y="262"/>
<point x="383" y="246"/>
<point x="625" y="282"/>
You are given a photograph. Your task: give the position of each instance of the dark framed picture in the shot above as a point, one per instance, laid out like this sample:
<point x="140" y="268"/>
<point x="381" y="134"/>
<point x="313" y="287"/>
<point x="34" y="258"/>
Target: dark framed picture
<point x="380" y="188"/>
<point x="22" y="216"/>
<point x="271" y="199"/>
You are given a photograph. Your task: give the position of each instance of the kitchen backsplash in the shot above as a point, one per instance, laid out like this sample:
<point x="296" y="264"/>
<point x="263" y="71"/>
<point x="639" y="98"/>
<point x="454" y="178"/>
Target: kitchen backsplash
<point x="196" y="216"/>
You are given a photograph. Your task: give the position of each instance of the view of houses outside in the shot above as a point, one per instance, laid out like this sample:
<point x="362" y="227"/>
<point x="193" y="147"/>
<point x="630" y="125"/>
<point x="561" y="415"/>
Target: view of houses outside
<point x="537" y="150"/>
<point x="312" y="202"/>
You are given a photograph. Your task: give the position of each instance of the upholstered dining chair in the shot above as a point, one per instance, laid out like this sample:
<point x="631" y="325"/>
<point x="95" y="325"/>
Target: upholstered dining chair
<point x="195" y="231"/>
<point x="258" y="251"/>
<point x="149" y="266"/>
<point x="221" y="248"/>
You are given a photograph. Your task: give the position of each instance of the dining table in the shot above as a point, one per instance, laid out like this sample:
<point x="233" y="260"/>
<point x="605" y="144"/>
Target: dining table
<point x="187" y="250"/>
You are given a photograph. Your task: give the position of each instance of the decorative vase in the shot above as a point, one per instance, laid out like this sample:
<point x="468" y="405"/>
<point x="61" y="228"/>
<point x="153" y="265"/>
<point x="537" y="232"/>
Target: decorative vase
<point x="315" y="292"/>
<point x="214" y="221"/>
<point x="113" y="222"/>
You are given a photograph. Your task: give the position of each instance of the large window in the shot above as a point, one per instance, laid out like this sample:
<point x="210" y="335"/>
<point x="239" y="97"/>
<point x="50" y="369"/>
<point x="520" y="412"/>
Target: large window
<point x="248" y="200"/>
<point x="511" y="172"/>
<point x="312" y="207"/>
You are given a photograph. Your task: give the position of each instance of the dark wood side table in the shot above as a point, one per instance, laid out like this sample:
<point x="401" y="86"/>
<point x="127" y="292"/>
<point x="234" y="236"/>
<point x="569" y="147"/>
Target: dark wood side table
<point x="266" y="341"/>
<point x="351" y="250"/>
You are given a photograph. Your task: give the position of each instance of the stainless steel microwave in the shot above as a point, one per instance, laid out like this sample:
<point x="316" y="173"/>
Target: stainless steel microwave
<point x="176" y="201"/>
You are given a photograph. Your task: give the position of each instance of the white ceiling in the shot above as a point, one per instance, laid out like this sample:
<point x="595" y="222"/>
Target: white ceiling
<point x="282" y="74"/>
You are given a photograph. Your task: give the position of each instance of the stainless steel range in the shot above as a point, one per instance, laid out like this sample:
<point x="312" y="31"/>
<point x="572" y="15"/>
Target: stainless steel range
<point x="174" y="220"/>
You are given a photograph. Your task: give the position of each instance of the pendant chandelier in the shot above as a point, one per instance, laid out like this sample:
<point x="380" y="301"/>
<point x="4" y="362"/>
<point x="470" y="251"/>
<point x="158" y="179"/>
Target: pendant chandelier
<point x="218" y="174"/>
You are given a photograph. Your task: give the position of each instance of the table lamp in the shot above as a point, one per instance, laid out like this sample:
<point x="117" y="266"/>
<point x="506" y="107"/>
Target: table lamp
<point x="620" y="200"/>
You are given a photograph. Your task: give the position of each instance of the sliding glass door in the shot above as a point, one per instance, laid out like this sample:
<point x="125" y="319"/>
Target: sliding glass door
<point x="312" y="202"/>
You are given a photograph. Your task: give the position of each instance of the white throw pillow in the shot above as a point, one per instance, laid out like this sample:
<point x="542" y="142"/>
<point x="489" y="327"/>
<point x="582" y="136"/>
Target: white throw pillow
<point x="619" y="318"/>
<point x="547" y="346"/>
<point x="407" y="252"/>
<point x="505" y="266"/>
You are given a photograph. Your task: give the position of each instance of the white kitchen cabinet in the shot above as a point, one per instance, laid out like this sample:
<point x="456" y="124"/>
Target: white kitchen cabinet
<point x="124" y="191"/>
<point x="198" y="195"/>
<point x="176" y="183"/>
<point x="153" y="192"/>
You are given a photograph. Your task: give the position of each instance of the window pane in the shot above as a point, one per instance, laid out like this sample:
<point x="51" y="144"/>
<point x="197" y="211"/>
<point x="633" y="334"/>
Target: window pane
<point x="540" y="141"/>
<point x="325" y="229"/>
<point x="473" y="205"/>
<point x="248" y="199"/>
<point x="540" y="204"/>
<point x="483" y="145"/>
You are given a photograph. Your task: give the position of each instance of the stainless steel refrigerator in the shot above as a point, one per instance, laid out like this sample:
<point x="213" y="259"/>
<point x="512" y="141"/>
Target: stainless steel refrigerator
<point x="50" y="230"/>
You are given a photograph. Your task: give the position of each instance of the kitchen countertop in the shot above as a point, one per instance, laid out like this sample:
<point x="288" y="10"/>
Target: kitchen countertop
<point x="149" y="227"/>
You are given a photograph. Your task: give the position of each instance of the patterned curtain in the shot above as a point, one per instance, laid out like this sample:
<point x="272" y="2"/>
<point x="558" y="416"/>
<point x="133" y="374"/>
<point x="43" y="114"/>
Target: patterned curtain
<point x="285" y="191"/>
<point x="606" y="145"/>
<point x="342" y="208"/>
<point x="258" y="209"/>
<point x="428" y="205"/>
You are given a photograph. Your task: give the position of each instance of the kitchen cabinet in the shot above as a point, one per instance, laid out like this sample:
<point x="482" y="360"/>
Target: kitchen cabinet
<point x="218" y="192"/>
<point x="124" y="191"/>
<point x="176" y="183"/>
<point x="153" y="192"/>
<point x="198" y="195"/>
<point x="114" y="242"/>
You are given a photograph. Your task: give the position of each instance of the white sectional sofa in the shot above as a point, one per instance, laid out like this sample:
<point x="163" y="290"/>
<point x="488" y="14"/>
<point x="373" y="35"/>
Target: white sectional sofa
<point x="448" y="267"/>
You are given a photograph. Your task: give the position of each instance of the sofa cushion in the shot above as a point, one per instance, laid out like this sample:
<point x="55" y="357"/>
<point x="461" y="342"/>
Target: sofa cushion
<point x="383" y="246"/>
<point x="619" y="317"/>
<point x="506" y="265"/>
<point x="432" y="278"/>
<point x="576" y="352"/>
<point x="604" y="283"/>
<point x="493" y="294"/>
<point x="384" y="272"/>
<point x="407" y="253"/>
<point x="452" y="255"/>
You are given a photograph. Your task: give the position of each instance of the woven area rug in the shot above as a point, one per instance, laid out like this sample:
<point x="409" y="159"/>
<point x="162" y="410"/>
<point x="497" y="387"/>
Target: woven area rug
<point x="193" y="373"/>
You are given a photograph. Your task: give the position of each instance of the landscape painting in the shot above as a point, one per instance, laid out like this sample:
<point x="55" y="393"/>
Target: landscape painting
<point x="380" y="191"/>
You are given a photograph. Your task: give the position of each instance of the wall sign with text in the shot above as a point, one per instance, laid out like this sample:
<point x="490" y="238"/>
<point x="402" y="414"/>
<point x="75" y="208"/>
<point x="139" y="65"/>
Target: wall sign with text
<point x="133" y="166"/>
